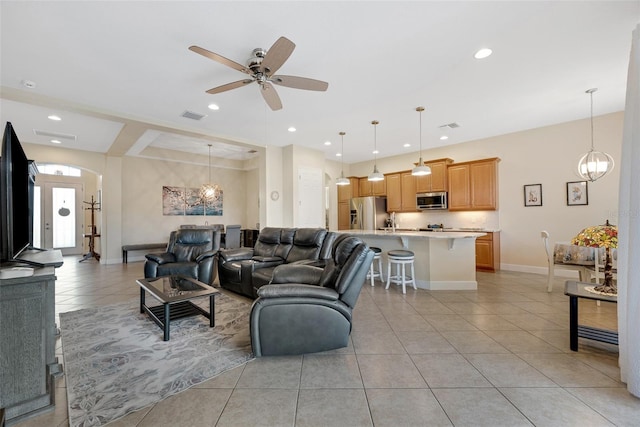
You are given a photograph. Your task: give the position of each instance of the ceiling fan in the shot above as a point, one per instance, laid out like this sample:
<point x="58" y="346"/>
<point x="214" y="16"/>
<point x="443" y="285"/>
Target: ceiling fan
<point x="261" y="67"/>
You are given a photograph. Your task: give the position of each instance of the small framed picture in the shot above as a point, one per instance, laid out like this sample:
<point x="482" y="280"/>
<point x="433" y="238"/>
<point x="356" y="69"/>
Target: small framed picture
<point x="577" y="193"/>
<point x="533" y="195"/>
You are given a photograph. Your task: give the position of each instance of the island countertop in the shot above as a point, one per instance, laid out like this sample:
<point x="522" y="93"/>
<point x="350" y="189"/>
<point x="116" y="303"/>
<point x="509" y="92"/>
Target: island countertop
<point x="444" y="260"/>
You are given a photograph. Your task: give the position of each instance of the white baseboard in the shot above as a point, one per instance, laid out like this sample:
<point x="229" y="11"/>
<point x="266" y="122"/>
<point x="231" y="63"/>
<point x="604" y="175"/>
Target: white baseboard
<point x="558" y="272"/>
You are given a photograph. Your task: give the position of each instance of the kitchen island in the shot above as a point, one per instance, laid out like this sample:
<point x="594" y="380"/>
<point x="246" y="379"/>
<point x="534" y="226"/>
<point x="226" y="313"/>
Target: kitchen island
<point x="444" y="260"/>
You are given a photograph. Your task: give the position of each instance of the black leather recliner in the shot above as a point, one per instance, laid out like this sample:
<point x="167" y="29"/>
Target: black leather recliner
<point x="307" y="309"/>
<point x="244" y="270"/>
<point x="191" y="252"/>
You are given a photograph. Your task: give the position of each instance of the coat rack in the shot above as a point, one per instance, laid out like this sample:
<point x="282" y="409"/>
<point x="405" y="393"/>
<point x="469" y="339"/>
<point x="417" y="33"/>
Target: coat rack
<point x="93" y="207"/>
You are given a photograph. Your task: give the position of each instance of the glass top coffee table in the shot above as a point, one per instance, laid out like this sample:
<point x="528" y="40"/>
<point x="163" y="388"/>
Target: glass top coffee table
<point x="175" y="293"/>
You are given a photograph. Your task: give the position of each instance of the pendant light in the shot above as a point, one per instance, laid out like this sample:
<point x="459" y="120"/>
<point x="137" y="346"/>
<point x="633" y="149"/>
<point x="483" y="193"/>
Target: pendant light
<point x="375" y="175"/>
<point x="595" y="164"/>
<point x="421" y="169"/>
<point x="342" y="180"/>
<point x="209" y="192"/>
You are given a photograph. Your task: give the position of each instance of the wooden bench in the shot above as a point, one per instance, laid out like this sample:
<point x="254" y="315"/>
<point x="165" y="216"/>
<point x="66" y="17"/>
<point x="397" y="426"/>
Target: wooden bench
<point x="139" y="247"/>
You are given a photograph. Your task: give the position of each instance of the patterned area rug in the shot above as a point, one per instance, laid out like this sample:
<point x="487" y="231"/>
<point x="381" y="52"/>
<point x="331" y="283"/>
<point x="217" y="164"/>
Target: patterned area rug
<point x="115" y="361"/>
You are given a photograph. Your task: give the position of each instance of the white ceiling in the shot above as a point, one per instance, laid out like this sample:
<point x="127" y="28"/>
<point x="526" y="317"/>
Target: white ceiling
<point x="116" y="69"/>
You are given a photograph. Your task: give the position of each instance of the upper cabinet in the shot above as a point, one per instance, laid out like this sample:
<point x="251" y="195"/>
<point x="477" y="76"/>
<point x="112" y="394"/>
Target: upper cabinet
<point x="437" y="180"/>
<point x="372" y="188"/>
<point x="401" y="192"/>
<point x="473" y="186"/>
<point x="346" y="192"/>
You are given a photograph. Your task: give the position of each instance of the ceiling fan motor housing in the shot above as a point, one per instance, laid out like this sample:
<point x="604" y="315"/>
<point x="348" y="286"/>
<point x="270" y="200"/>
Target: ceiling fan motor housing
<point x="254" y="61"/>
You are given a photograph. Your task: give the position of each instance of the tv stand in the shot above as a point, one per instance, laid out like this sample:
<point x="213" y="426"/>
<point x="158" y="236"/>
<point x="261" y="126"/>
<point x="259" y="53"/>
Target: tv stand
<point x="27" y="313"/>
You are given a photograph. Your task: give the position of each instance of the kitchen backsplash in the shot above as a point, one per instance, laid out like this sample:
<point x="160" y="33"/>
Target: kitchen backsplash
<point x="479" y="219"/>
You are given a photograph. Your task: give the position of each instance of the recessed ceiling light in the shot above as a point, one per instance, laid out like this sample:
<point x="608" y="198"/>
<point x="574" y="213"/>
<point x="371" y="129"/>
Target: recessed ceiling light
<point x="443" y="137"/>
<point x="55" y="141"/>
<point x="54" y="117"/>
<point x="327" y="143"/>
<point x="483" y="53"/>
<point x="29" y="84"/>
<point x="213" y="107"/>
<point x="338" y="154"/>
<point x="407" y="145"/>
<point x="291" y="129"/>
<point x="375" y="152"/>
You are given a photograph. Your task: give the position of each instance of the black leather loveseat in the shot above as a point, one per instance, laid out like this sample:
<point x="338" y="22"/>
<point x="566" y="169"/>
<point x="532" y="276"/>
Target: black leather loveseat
<point x="245" y="270"/>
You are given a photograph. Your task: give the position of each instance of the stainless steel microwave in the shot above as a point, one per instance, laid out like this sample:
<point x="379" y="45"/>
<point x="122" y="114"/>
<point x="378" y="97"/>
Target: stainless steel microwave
<point x="427" y="201"/>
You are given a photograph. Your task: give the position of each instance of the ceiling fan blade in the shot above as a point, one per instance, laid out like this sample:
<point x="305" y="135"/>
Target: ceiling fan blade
<point x="277" y="55"/>
<point x="299" y="83"/>
<point x="270" y="96"/>
<point x="229" y="86"/>
<point x="219" y="58"/>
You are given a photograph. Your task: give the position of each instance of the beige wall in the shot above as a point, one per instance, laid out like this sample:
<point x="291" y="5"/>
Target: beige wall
<point x="133" y="204"/>
<point x="546" y="156"/>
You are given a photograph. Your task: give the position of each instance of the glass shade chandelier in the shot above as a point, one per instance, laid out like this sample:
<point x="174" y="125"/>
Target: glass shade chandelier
<point x="342" y="180"/>
<point x="209" y="192"/>
<point x="421" y="169"/>
<point x="375" y="175"/>
<point x="595" y="164"/>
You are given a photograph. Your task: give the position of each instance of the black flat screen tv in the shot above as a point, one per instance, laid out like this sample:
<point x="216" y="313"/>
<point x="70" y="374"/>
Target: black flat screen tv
<point x="17" y="181"/>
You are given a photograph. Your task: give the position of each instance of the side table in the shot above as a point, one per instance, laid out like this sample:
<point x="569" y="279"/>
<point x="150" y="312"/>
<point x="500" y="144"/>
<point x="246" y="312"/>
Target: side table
<point x="577" y="290"/>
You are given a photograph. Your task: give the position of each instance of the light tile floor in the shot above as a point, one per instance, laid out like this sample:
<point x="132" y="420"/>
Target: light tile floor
<point x="498" y="356"/>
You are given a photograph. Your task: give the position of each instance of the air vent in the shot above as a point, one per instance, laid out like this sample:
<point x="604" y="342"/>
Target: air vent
<point x="450" y="125"/>
<point x="193" y="116"/>
<point x="54" y="135"/>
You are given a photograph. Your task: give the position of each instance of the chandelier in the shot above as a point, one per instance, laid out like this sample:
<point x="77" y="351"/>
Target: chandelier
<point x="595" y="164"/>
<point x="210" y="192"/>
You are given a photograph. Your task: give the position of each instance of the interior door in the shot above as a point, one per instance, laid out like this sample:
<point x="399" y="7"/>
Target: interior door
<point x="61" y="218"/>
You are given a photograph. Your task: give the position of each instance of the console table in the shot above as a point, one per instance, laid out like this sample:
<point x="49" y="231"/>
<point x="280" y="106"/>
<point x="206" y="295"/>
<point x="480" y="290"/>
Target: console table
<point x="577" y="290"/>
<point x="27" y="337"/>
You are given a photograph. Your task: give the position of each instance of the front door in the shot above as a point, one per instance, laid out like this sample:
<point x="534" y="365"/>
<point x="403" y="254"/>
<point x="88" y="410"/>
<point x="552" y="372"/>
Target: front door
<point x="60" y="223"/>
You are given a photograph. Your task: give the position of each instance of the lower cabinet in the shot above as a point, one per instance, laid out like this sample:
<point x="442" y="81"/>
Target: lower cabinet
<point x="488" y="252"/>
<point x="344" y="216"/>
<point x="27" y="339"/>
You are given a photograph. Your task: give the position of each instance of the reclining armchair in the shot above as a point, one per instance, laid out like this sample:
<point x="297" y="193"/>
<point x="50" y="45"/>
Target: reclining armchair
<point x="191" y="252"/>
<point x="307" y="309"/>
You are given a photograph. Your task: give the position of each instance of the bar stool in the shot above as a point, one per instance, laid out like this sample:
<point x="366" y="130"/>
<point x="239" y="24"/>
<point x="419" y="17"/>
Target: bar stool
<point x="400" y="258"/>
<point x="373" y="273"/>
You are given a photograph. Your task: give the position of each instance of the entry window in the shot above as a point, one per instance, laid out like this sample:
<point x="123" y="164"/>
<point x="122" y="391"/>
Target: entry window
<point x="60" y="170"/>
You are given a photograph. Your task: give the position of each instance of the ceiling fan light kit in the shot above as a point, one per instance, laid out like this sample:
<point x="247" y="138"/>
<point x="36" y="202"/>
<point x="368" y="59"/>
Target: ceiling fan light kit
<point x="261" y="67"/>
<point x="421" y="169"/>
<point x="342" y="180"/>
<point x="594" y="164"/>
<point x="375" y="175"/>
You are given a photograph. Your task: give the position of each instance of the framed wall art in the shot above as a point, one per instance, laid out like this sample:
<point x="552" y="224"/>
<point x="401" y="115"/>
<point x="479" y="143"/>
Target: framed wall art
<point x="533" y="195"/>
<point x="577" y="193"/>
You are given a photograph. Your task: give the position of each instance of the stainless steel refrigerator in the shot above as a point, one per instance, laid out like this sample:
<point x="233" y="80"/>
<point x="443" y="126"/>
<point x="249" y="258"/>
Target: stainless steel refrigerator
<point x="368" y="213"/>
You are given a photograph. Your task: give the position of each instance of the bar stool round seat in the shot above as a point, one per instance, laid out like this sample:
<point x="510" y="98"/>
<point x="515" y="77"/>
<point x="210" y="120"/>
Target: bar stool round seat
<point x="401" y="258"/>
<point x="373" y="271"/>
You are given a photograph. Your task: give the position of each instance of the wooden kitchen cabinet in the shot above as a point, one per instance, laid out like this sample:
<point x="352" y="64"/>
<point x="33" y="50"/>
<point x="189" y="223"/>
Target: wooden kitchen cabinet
<point x="394" y="192"/>
<point x="408" y="188"/>
<point x="401" y="192"/>
<point x="488" y="252"/>
<point x="473" y="186"/>
<point x="344" y="216"/>
<point x="372" y="188"/>
<point x="346" y="192"/>
<point x="437" y="180"/>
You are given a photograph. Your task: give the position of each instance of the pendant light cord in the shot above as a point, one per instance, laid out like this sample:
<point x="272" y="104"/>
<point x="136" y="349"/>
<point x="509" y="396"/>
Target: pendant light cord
<point x="591" y="96"/>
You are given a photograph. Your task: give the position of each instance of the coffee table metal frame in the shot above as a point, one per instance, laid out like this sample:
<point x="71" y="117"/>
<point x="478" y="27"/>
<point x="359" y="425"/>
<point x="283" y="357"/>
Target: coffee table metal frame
<point x="575" y="290"/>
<point x="175" y="306"/>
